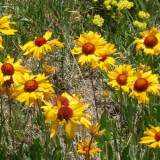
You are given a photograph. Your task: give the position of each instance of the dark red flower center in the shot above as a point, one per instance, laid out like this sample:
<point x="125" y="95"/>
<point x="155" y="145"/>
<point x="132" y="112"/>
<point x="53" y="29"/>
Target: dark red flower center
<point x="103" y="58"/>
<point x="9" y="81"/>
<point x="7" y="69"/>
<point x="64" y="101"/>
<point x="40" y="41"/>
<point x="65" y="113"/>
<point x="157" y="136"/>
<point x="88" y="48"/>
<point x="31" y="85"/>
<point x="141" y="84"/>
<point x="150" y="41"/>
<point x="121" y="79"/>
<point x="86" y="149"/>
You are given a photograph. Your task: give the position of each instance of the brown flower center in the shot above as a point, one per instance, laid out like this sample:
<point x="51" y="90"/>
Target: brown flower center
<point x="7" y="69"/>
<point x="157" y="136"/>
<point x="88" y="48"/>
<point x="141" y="84"/>
<point x="9" y="81"/>
<point x="103" y="58"/>
<point x="150" y="41"/>
<point x="40" y="41"/>
<point x="122" y="79"/>
<point x="65" y="113"/>
<point x="64" y="101"/>
<point x="31" y="85"/>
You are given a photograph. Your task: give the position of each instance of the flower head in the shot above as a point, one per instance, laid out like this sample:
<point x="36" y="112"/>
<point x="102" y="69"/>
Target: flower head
<point x="5" y="26"/>
<point x="88" y="46"/>
<point x="94" y="130"/>
<point x="143" y="14"/>
<point x="41" y="45"/>
<point x="105" y="61"/>
<point x="144" y="82"/>
<point x="121" y="77"/>
<point x="152" y="137"/>
<point x="140" y="25"/>
<point x="11" y="71"/>
<point x="144" y="67"/>
<point x="98" y="20"/>
<point x="68" y="111"/>
<point x="83" y="147"/>
<point x="47" y="68"/>
<point x="150" y="42"/>
<point x="33" y="89"/>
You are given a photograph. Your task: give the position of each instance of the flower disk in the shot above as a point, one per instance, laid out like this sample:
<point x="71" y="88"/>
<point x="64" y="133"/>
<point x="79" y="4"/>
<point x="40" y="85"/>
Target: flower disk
<point x="141" y="84"/>
<point x="150" y="41"/>
<point x="40" y="41"/>
<point x="88" y="48"/>
<point x="31" y="85"/>
<point x="65" y="113"/>
<point x="7" y="69"/>
<point x="121" y="79"/>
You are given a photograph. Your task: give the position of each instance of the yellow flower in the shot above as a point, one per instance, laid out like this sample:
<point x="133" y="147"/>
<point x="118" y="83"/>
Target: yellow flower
<point x="48" y="69"/>
<point x="83" y="147"/>
<point x="143" y="14"/>
<point x="140" y="25"/>
<point x="105" y="94"/>
<point x="124" y="4"/>
<point x="98" y="20"/>
<point x="94" y="130"/>
<point x="40" y="46"/>
<point x="33" y="89"/>
<point x="121" y="77"/>
<point x="144" y="83"/>
<point x="5" y="26"/>
<point x="150" y="42"/>
<point x="144" y="67"/>
<point x="10" y="71"/>
<point x="105" y="62"/>
<point x="1" y="47"/>
<point x="152" y="137"/>
<point x="88" y="46"/>
<point x="68" y="111"/>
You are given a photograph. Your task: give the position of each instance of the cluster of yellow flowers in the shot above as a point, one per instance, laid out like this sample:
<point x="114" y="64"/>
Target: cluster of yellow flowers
<point x="140" y="25"/>
<point x="143" y="14"/>
<point x="118" y="6"/>
<point x="98" y="20"/>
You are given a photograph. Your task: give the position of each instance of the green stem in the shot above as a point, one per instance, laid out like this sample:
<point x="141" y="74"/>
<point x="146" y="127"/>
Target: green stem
<point x="151" y="63"/>
<point x="90" y="72"/>
<point x="142" y="120"/>
<point x="121" y="114"/>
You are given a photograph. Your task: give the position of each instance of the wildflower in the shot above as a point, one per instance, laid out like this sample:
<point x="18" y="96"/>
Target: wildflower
<point x="48" y="69"/>
<point x="33" y="89"/>
<point x="152" y="137"/>
<point x="83" y="147"/>
<point x="140" y="25"/>
<point x="88" y="46"/>
<point x="144" y="82"/>
<point x="94" y="130"/>
<point x="11" y="71"/>
<point x="68" y="111"/>
<point x="150" y="42"/>
<point x="124" y="4"/>
<point x="143" y="14"/>
<point x="105" y="94"/>
<point x="121" y="77"/>
<point x="40" y="46"/>
<point x="105" y="61"/>
<point x="144" y="67"/>
<point x="98" y="20"/>
<point x="5" y="26"/>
